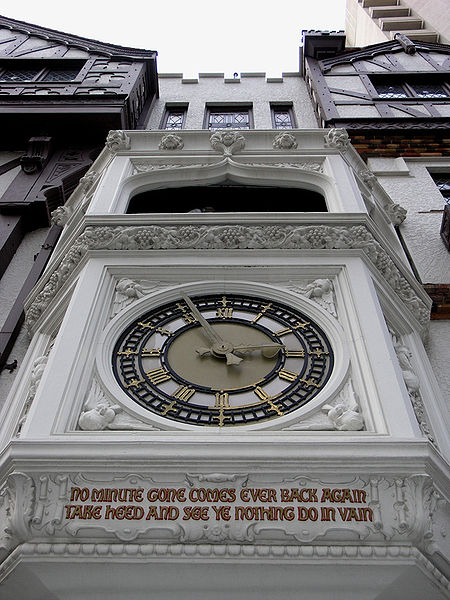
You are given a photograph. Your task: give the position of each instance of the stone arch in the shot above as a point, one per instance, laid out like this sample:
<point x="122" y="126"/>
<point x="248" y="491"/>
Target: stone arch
<point x="228" y="186"/>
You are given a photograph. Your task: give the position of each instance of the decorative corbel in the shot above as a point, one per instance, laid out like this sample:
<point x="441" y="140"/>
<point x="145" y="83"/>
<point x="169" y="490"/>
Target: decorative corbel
<point x="37" y="154"/>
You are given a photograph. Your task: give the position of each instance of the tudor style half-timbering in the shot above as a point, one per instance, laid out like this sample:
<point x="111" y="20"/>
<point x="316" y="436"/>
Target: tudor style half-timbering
<point x="59" y="96"/>
<point x="399" y="84"/>
<point x="393" y="99"/>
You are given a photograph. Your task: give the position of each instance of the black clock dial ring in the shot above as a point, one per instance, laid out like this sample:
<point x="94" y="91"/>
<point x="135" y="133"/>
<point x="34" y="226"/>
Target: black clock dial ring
<point x="160" y="360"/>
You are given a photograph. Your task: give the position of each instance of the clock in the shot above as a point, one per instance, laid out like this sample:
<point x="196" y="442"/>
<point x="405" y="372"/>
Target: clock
<point x="222" y="360"/>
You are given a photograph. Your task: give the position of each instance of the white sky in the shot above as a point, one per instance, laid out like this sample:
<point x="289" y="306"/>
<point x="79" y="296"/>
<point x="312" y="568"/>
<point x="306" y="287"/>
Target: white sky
<point x="192" y="36"/>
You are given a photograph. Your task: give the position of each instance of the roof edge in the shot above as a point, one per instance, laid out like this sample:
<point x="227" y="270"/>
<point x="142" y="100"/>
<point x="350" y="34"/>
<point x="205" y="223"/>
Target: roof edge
<point x="69" y="39"/>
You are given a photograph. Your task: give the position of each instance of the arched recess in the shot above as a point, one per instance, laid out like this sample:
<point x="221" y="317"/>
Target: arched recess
<point x="227" y="186"/>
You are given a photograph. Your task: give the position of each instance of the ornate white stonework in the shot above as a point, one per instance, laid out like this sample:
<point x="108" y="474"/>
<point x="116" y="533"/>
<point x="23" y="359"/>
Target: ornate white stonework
<point x="158" y="237"/>
<point x="227" y="142"/>
<point x="117" y="141"/>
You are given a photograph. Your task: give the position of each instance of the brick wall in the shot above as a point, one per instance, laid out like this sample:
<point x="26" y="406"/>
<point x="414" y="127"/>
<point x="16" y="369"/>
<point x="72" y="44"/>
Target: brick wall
<point x="406" y="143"/>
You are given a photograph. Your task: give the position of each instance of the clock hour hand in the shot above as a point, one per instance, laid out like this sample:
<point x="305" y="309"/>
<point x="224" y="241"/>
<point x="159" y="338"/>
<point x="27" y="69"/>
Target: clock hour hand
<point x="268" y="350"/>
<point x="220" y="347"/>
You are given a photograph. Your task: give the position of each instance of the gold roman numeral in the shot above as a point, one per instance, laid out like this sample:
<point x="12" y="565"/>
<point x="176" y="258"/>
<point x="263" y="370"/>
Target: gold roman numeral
<point x="292" y="328"/>
<point x="158" y="375"/>
<point x="295" y="353"/>
<point x="222" y="403"/>
<point x="184" y="393"/>
<point x="224" y="312"/>
<point x="287" y="375"/>
<point x="261" y="393"/>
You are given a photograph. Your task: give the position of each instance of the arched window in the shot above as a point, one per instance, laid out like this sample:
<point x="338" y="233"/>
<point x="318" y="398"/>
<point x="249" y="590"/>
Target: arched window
<point x="227" y="197"/>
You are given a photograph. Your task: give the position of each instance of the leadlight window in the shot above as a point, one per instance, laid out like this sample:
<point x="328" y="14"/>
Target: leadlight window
<point x="390" y="89"/>
<point x="19" y="74"/>
<point x="60" y="74"/>
<point x="228" y="118"/>
<point x="282" y="117"/>
<point x="429" y="90"/>
<point x="442" y="181"/>
<point x="26" y="72"/>
<point x="174" y="117"/>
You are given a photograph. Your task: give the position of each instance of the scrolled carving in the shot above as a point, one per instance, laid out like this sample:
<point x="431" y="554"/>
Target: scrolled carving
<point x="128" y="291"/>
<point x="320" y="291"/>
<point x="337" y="138"/>
<point x="343" y="414"/>
<point x="412" y="383"/>
<point x="17" y="499"/>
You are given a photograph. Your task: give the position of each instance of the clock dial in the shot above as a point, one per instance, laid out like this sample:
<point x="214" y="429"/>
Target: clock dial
<point x="222" y="360"/>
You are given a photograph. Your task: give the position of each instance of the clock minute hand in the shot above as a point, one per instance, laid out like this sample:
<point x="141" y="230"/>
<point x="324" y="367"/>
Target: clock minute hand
<point x="219" y="346"/>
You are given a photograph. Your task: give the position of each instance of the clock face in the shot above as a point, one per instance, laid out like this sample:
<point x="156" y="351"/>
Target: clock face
<point x="222" y="360"/>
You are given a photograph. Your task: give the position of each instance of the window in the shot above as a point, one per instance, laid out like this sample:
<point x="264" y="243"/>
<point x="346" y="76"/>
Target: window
<point x="442" y="181"/>
<point x="174" y="117"/>
<point x="390" y="90"/>
<point x="227" y="197"/>
<point x="60" y="74"/>
<point x="22" y="71"/>
<point x="282" y="116"/>
<point x="410" y="88"/>
<point x="229" y="118"/>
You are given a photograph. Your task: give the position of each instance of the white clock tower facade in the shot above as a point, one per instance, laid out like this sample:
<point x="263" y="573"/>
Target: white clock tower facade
<point x="144" y="459"/>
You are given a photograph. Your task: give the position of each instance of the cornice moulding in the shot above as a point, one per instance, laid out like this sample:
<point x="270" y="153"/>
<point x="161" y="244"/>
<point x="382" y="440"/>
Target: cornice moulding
<point x="225" y="237"/>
